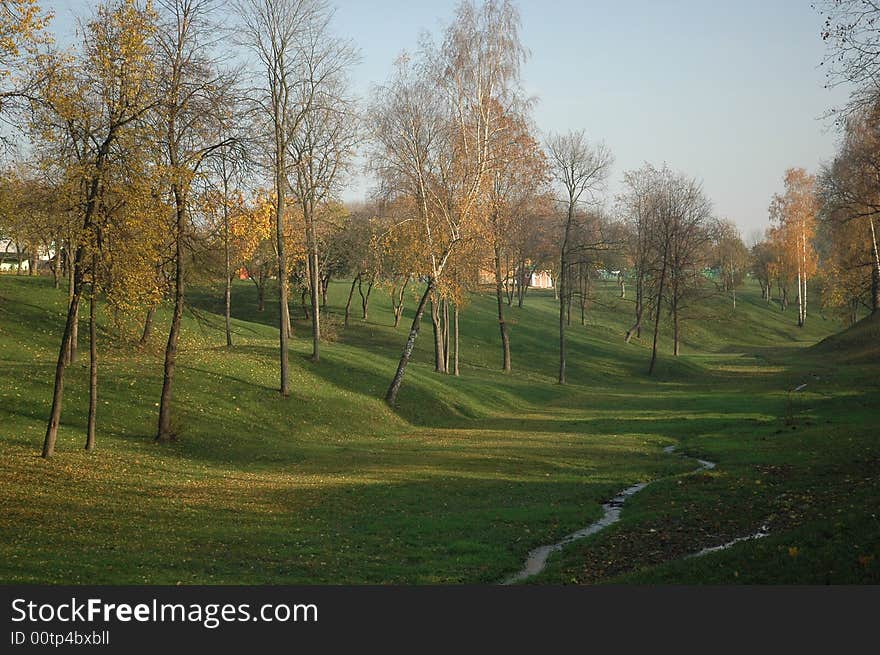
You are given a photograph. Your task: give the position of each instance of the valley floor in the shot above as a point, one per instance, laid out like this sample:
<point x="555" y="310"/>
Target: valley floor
<point x="467" y="475"/>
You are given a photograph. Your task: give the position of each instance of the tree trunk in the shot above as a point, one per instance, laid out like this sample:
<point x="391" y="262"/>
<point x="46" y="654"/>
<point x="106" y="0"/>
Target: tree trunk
<point x="438" y="336"/>
<point x="325" y="284"/>
<point x="804" y="309"/>
<point x="56" y="265"/>
<point x="165" y="432"/>
<point x="63" y="355"/>
<point x="563" y="288"/>
<point x="228" y="291"/>
<point x="73" y="344"/>
<point x="636" y="329"/>
<point x="397" y="380"/>
<point x="261" y="293"/>
<point x="314" y="297"/>
<point x="622" y="284"/>
<point x="509" y="283"/>
<point x="562" y="324"/>
<point x="93" y="366"/>
<point x="67" y="352"/>
<point x="675" y="336"/>
<point x="804" y="257"/>
<point x="350" y="295"/>
<point x="800" y="302"/>
<point x="365" y="298"/>
<point x="68" y="262"/>
<point x="445" y="336"/>
<point x="455" y="339"/>
<point x="398" y="307"/>
<point x="875" y="272"/>
<point x="148" y="325"/>
<point x="583" y="295"/>
<point x="657" y="321"/>
<point x="314" y="282"/>
<point x="875" y="287"/>
<point x="523" y="284"/>
<point x="499" y="293"/>
<point x="283" y="288"/>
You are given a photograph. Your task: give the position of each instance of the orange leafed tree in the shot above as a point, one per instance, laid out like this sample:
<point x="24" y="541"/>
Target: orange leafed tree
<point x="794" y="214"/>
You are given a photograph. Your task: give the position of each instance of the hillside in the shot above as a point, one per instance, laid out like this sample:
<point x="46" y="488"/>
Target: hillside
<point x="858" y="343"/>
<point x="463" y="478"/>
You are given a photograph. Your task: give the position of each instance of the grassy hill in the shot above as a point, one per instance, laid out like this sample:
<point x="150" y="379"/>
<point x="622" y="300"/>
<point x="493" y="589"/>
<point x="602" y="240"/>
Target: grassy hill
<point x="465" y="476"/>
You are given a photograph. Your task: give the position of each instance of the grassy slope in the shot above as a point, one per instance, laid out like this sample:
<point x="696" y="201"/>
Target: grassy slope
<point x="461" y="481"/>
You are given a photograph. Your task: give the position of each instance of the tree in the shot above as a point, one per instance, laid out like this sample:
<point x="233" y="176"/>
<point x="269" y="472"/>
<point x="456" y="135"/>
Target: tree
<point x="92" y="101"/>
<point x="761" y="260"/>
<point x="432" y="127"/>
<point x="359" y="250"/>
<point x="251" y="238"/>
<point x="851" y="32"/>
<point x="27" y="214"/>
<point x="398" y="247"/>
<point x="224" y="199"/>
<point x="188" y="112"/>
<point x="638" y="204"/>
<point x="531" y="244"/>
<point x="22" y="31"/>
<point x="850" y="193"/>
<point x="517" y="181"/>
<point x="578" y="167"/>
<point x="322" y="141"/>
<point x="690" y="216"/>
<point x="669" y="218"/>
<point x="794" y="214"/>
<point x="278" y="32"/>
<point x="731" y="257"/>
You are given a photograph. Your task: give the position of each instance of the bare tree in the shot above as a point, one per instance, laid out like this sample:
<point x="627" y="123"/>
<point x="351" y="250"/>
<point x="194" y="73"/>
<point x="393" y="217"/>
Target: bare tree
<point x="189" y="110"/>
<point x="690" y="241"/>
<point x="637" y="205"/>
<point x="517" y="181"/>
<point x="580" y="168"/>
<point x="676" y="218"/>
<point x="322" y="142"/>
<point x="276" y="31"/>
<point x="851" y="32"/>
<point x="228" y="167"/>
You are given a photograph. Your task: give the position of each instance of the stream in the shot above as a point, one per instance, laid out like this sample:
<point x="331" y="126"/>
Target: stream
<point x="537" y="558"/>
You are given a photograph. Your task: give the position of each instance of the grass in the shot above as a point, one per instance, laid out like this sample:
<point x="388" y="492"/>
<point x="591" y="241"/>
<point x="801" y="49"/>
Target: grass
<point x="466" y="475"/>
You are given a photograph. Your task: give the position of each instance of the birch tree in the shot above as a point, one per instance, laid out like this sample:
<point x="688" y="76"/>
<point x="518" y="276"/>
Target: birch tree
<point x="432" y="127"/>
<point x="794" y="213"/>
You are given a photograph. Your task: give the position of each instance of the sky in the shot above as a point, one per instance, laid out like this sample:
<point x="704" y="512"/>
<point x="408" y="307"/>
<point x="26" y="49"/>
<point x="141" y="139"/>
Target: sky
<point x="731" y="93"/>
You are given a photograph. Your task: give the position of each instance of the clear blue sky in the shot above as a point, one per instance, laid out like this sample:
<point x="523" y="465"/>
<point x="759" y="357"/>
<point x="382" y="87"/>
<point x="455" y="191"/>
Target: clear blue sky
<point x="729" y="92"/>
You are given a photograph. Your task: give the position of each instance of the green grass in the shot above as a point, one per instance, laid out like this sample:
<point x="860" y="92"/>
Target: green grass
<point x="466" y="475"/>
